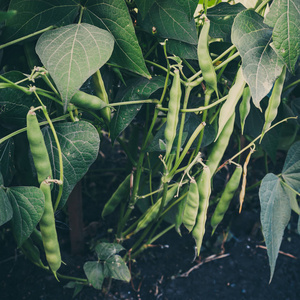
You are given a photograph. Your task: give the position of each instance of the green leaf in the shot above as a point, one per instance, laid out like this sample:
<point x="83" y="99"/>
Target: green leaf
<point x="275" y="214"/>
<point x="144" y="6"/>
<point x="106" y="250"/>
<point x="221" y="19"/>
<point x="113" y="16"/>
<point x="137" y="90"/>
<point x="188" y="6"/>
<point x="117" y="268"/>
<point x="291" y="168"/>
<point x="72" y="54"/>
<point x="284" y="17"/>
<point x="181" y="49"/>
<point x="7" y="160"/>
<point x="94" y="272"/>
<point x="170" y="22"/>
<point x="261" y="65"/>
<point x="34" y="15"/>
<point x="28" y="206"/>
<point x="77" y="286"/>
<point x="79" y="142"/>
<point x="15" y="104"/>
<point x="6" y="211"/>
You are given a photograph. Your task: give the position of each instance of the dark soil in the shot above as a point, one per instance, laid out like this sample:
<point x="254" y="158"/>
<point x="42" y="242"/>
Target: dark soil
<point x="167" y="271"/>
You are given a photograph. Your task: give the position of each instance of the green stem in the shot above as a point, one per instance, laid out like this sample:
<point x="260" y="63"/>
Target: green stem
<point x="151" y="49"/>
<point x="26" y="37"/>
<point x="290" y="188"/>
<point x="13" y="85"/>
<point x="291" y="85"/>
<point x="81" y="13"/>
<point x="61" y="118"/>
<point x="261" y="6"/>
<point x="84" y="281"/>
<point x="188" y="90"/>
<point x="154" y="101"/>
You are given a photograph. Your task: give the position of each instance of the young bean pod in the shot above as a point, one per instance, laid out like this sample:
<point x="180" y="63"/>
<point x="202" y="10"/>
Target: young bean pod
<point x="48" y="230"/>
<point x="274" y="102"/>
<point x="87" y="101"/>
<point x="220" y="146"/>
<point x="245" y="106"/>
<point x="191" y="207"/>
<point x="173" y="113"/>
<point x="152" y="211"/>
<point x="204" y="59"/>
<point x="226" y="198"/>
<point x="120" y="194"/>
<point x="38" y="148"/>
<point x="228" y="108"/>
<point x="204" y="187"/>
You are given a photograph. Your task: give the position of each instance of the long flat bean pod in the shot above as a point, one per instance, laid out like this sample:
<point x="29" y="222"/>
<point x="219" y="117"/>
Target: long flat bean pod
<point x="154" y="209"/>
<point x="120" y="194"/>
<point x="191" y="206"/>
<point x="220" y="146"/>
<point x="204" y="187"/>
<point x="204" y="59"/>
<point x="38" y="148"/>
<point x="48" y="230"/>
<point x="173" y="113"/>
<point x="226" y="198"/>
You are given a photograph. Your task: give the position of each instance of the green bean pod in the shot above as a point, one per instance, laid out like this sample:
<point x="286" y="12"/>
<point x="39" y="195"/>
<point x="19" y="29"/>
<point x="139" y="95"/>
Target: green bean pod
<point x="32" y="252"/>
<point x="244" y="107"/>
<point x="204" y="59"/>
<point x="226" y="197"/>
<point x="173" y="113"/>
<point x="38" y="148"/>
<point x="228" y="108"/>
<point x="220" y="146"/>
<point x="274" y="102"/>
<point x="120" y="194"/>
<point x="152" y="211"/>
<point x="179" y="214"/>
<point x="48" y="231"/>
<point x="191" y="207"/>
<point x="204" y="187"/>
<point x="87" y="101"/>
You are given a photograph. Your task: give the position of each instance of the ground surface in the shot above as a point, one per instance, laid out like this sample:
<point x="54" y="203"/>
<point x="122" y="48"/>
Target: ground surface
<point x="167" y="271"/>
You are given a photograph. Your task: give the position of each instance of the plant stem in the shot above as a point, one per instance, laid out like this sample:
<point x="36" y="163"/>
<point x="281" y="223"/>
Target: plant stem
<point x="154" y="101"/>
<point x="261" y="6"/>
<point x="26" y="37"/>
<point x="291" y="85"/>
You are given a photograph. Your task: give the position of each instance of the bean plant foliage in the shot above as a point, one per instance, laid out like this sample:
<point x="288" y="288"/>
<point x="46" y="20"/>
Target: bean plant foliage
<point x="176" y="104"/>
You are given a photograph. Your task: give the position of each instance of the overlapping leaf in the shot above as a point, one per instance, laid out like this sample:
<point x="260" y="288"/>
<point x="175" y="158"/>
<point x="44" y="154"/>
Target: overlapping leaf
<point x="188" y="6"/>
<point x="106" y="250"/>
<point x="137" y="90"/>
<point x="221" y="19"/>
<point x="94" y="272"/>
<point x="7" y="167"/>
<point x="72" y="54"/>
<point x="261" y="65"/>
<point x="291" y="168"/>
<point x="117" y="268"/>
<point x="284" y="17"/>
<point x="144" y="6"/>
<point x="80" y="145"/>
<point x="275" y="214"/>
<point x="6" y="211"/>
<point x="113" y="16"/>
<point x="170" y="22"/>
<point x="34" y="15"/>
<point x="28" y="206"/>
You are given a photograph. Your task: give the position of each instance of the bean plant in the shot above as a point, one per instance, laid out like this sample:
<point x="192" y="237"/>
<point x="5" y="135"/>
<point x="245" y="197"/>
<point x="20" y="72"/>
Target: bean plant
<point x="190" y="90"/>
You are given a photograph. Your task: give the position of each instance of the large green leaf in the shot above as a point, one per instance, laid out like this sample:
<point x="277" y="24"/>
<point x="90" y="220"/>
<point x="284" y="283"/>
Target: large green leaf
<point x="79" y="142"/>
<point x="284" y="17"/>
<point x="28" y="206"/>
<point x="95" y="274"/>
<point x="181" y="49"/>
<point x="170" y="22"/>
<point x="275" y="214"/>
<point x="72" y="54"/>
<point x="34" y="15"/>
<point x="117" y="268"/>
<point x="7" y="167"/>
<point x="188" y="6"/>
<point x="6" y="211"/>
<point x="291" y="168"/>
<point x="138" y="90"/>
<point x="113" y="16"/>
<point x="144" y="6"/>
<point x="15" y="104"/>
<point x="261" y="65"/>
<point x="106" y="250"/>
<point x="221" y="19"/>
